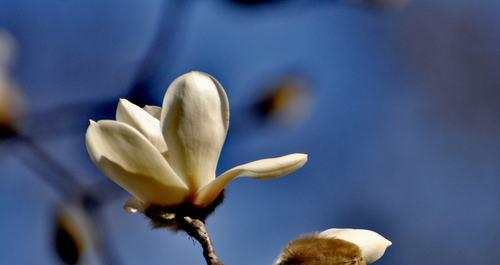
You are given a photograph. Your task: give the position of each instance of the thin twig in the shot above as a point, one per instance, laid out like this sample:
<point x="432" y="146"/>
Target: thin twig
<point x="56" y="175"/>
<point x="196" y="229"/>
<point x="47" y="167"/>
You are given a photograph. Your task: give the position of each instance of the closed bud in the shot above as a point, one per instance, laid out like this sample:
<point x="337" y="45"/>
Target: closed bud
<point x="335" y="247"/>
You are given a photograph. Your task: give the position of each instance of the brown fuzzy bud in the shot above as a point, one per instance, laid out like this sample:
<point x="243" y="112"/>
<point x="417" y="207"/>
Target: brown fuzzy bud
<point x="315" y="250"/>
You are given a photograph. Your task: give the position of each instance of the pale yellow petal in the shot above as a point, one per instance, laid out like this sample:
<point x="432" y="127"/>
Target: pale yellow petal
<point x="194" y="123"/>
<point x="154" y="111"/>
<point x="141" y="120"/>
<point x="372" y="244"/>
<point x="130" y="160"/>
<point x="261" y="169"/>
<point x="134" y="205"/>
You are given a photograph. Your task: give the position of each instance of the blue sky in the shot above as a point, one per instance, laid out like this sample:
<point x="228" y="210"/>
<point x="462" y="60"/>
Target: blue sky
<point x="402" y="130"/>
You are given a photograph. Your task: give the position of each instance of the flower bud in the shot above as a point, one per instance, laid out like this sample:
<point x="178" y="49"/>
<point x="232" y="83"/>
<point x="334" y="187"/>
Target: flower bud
<point x="335" y="247"/>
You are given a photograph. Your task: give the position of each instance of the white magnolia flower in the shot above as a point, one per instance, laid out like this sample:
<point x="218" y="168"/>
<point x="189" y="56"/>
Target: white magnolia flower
<point x="167" y="156"/>
<point x="335" y="246"/>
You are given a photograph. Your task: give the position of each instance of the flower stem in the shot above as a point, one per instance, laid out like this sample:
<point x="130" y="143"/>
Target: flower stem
<point x="196" y="229"/>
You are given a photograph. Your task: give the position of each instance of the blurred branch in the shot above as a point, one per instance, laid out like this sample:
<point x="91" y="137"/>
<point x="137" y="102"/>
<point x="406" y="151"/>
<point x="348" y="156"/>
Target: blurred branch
<point x="46" y="167"/>
<point x="65" y="184"/>
<point x="67" y="119"/>
<point x="58" y="177"/>
<point x="72" y="118"/>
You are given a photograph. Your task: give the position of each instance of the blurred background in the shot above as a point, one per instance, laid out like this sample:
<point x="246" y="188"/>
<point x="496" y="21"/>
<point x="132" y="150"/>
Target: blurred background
<point x="396" y="102"/>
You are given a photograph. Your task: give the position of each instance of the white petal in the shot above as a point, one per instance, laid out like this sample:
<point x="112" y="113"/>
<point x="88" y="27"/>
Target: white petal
<point x="154" y="111"/>
<point x="194" y="123"/>
<point x="372" y="244"/>
<point x="261" y="169"/>
<point x="134" y="205"/>
<point x="130" y="160"/>
<point x="141" y="120"/>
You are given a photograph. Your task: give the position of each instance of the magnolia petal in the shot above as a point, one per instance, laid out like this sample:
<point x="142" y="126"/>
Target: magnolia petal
<point x="154" y="111"/>
<point x="194" y="123"/>
<point x="130" y="160"/>
<point x="134" y="205"/>
<point x="261" y="169"/>
<point x="141" y="120"/>
<point x="372" y="244"/>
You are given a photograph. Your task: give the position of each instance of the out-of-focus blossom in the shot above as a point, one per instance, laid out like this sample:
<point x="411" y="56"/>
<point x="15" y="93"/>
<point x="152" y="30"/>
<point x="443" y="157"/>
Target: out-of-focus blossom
<point x="11" y="104"/>
<point x="167" y="156"/>
<point x="74" y="235"/>
<point x="7" y="49"/>
<point x="288" y="101"/>
<point x="335" y="247"/>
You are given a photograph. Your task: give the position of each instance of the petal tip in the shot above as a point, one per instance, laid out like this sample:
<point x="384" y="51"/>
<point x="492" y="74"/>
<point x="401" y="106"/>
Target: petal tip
<point x="122" y="101"/>
<point x="300" y="158"/>
<point x="196" y="72"/>
<point x="372" y="244"/>
<point x="303" y="156"/>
